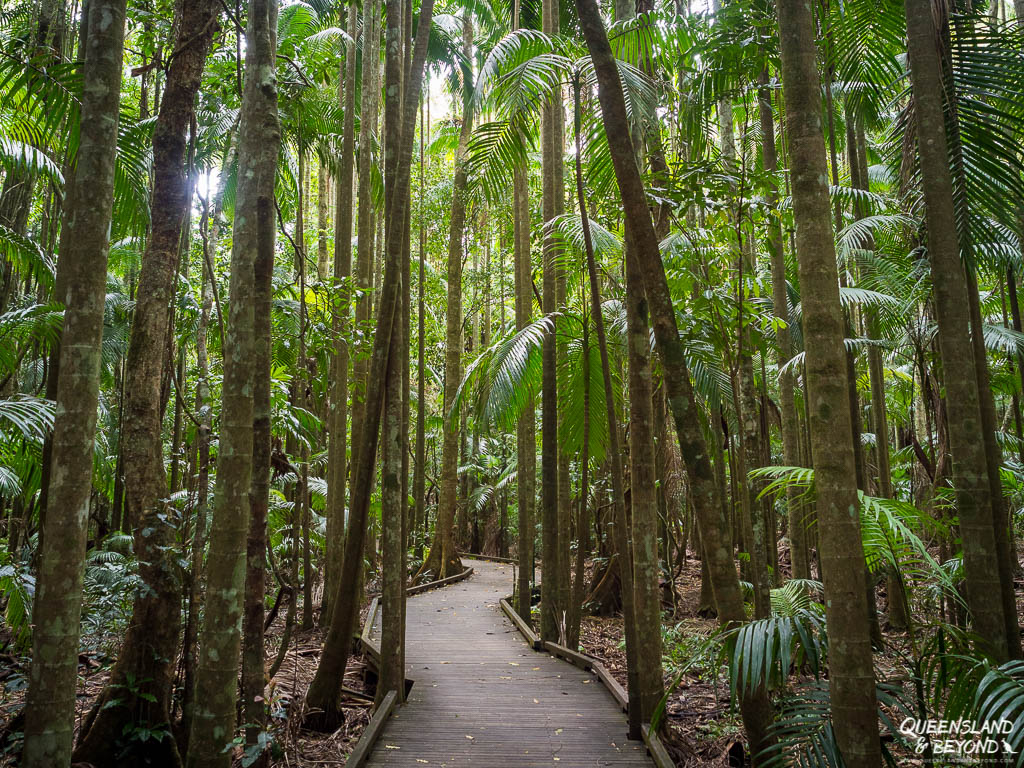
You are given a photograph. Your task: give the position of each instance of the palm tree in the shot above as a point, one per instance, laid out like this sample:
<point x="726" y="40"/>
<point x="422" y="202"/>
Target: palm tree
<point x="854" y="710"/>
<point x="975" y="503"/>
<point x="443" y="559"/>
<point x="755" y="707"/>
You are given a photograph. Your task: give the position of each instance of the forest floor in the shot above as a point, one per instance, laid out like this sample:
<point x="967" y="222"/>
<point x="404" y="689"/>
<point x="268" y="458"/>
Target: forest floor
<point x="298" y="748"/>
<point x="704" y="731"/>
<point x="291" y="746"/>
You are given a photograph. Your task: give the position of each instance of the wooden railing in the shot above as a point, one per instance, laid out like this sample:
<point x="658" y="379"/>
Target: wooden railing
<point x="588" y="663"/>
<point x="372" y="731"/>
<point x="439" y="583"/>
<point x="371" y="652"/>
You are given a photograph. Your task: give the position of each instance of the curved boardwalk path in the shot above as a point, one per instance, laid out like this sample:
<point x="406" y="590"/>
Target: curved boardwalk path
<point x="483" y="698"/>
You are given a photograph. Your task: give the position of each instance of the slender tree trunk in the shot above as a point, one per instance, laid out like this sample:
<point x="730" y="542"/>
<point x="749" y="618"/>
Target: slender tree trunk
<point x="526" y="440"/>
<point x="50" y="703"/>
<point x="302" y="394"/>
<point x="582" y="534"/>
<point x="337" y="460"/>
<point x="213" y="723"/>
<point x="963" y="407"/>
<point x="552" y="617"/>
<point x="368" y="95"/>
<point x="755" y="707"/>
<point x="443" y="559"/>
<point x="1011" y="284"/>
<point x="420" y="464"/>
<point x="322" y="262"/>
<point x="621" y="523"/>
<point x="393" y="569"/>
<point x="190" y="641"/>
<point x="322" y="696"/>
<point x="405" y="346"/>
<point x="857" y="151"/>
<point x="253" y="671"/>
<point x="643" y="494"/>
<point x="852" y="683"/>
<point x="393" y="504"/>
<point x="783" y="343"/>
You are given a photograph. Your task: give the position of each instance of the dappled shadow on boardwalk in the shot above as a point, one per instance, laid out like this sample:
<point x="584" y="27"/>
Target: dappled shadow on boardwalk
<point x="483" y="698"/>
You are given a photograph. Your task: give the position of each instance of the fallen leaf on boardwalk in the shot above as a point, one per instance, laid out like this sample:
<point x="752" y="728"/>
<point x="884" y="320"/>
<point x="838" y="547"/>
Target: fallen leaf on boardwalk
<point x="536" y="702"/>
<point x="469" y="737"/>
<point x="535" y="669"/>
<point x="513" y="664"/>
<point x="420" y="760"/>
<point x="558" y="731"/>
<point x="391" y="746"/>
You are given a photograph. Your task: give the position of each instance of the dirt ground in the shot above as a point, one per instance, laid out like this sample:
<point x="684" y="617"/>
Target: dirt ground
<point x="291" y="746"/>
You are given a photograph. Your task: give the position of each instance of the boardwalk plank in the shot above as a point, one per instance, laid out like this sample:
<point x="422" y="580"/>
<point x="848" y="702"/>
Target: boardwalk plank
<point x="482" y="699"/>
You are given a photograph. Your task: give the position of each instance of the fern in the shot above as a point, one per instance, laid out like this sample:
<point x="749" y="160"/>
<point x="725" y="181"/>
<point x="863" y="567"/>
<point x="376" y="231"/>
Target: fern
<point x="765" y="652"/>
<point x="803" y="735"/>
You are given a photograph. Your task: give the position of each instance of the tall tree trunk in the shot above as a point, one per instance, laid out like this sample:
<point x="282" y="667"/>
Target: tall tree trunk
<point x="393" y="504"/>
<point x="857" y="151"/>
<point x="53" y="676"/>
<point x="551" y="618"/>
<point x="755" y="707"/>
<point x="322" y="696"/>
<point x="141" y="679"/>
<point x="368" y="108"/>
<point x="646" y="679"/>
<point x="783" y="344"/>
<point x="643" y="494"/>
<point x="852" y="683"/>
<point x="190" y="640"/>
<point x="213" y="723"/>
<point x="322" y="204"/>
<point x="621" y="524"/>
<point x="302" y="393"/>
<point x="337" y="446"/>
<point x="443" y="559"/>
<point x="975" y="505"/>
<point x="253" y="671"/>
<point x="420" y="463"/>
<point x="579" y="586"/>
<point x="526" y="439"/>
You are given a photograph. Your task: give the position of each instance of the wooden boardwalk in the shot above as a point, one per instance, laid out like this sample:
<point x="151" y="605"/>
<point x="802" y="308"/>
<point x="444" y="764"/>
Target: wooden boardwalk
<point x="483" y="698"/>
